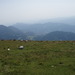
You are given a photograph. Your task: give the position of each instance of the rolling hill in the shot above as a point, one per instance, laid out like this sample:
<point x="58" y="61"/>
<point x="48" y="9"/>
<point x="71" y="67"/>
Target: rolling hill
<point x="8" y="33"/>
<point x="57" y="35"/>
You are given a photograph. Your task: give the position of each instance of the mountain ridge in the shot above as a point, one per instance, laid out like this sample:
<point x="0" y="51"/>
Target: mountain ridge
<point x="7" y="33"/>
<point x="45" y="28"/>
<point x="57" y="36"/>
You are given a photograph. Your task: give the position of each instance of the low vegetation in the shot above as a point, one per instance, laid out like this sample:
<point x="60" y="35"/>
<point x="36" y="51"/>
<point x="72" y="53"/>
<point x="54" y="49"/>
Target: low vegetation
<point x="37" y="57"/>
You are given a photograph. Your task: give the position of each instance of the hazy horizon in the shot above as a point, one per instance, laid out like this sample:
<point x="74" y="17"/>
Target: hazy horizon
<point x="32" y="11"/>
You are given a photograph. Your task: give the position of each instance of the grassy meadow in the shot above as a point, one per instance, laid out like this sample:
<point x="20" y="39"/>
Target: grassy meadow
<point x="37" y="58"/>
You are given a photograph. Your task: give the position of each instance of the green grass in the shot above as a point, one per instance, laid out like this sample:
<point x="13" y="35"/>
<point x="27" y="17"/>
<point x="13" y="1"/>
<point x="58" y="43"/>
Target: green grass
<point x="37" y="58"/>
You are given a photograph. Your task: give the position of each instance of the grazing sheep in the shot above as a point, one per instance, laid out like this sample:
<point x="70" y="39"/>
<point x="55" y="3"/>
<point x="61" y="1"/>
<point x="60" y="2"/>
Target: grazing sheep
<point x="21" y="40"/>
<point x="8" y="49"/>
<point x="21" y="47"/>
<point x="26" y="40"/>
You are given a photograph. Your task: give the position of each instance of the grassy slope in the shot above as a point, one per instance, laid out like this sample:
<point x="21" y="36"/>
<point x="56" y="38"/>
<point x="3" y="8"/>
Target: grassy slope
<point x="37" y="58"/>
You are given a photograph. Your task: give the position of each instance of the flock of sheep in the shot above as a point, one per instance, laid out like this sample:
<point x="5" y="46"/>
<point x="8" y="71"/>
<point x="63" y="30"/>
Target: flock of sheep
<point x="20" y="47"/>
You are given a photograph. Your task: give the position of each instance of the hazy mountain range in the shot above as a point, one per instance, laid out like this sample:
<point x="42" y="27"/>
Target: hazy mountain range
<point x="49" y="25"/>
<point x="9" y="33"/>
<point x="45" y="28"/>
<point x="65" y="20"/>
<point x="58" y="29"/>
<point x="57" y="36"/>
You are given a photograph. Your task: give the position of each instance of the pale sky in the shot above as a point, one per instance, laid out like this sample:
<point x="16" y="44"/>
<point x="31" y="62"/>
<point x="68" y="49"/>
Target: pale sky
<point x="14" y="11"/>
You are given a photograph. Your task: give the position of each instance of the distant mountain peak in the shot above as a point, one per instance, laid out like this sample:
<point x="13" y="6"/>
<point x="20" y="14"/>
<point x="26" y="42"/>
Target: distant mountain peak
<point x="8" y="33"/>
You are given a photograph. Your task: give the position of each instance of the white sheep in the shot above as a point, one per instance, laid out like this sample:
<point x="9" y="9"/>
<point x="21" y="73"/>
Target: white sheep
<point x="8" y="49"/>
<point x="21" y="47"/>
